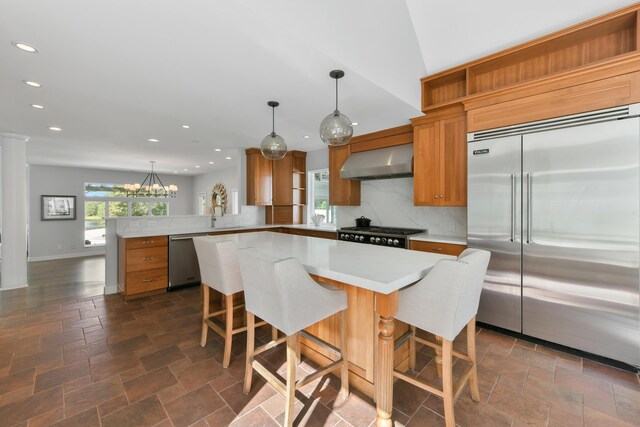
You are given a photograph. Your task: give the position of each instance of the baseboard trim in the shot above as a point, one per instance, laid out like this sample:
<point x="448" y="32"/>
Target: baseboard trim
<point x="63" y="256"/>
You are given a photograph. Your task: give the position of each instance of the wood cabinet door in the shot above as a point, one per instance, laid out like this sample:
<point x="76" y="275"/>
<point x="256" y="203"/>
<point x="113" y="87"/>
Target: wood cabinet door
<point x="426" y="164"/>
<point x="282" y="181"/>
<point x="342" y="192"/>
<point x="453" y="162"/>
<point x="258" y="180"/>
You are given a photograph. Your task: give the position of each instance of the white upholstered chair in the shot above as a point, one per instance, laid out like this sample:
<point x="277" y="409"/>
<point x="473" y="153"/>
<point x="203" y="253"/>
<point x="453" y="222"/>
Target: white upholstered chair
<point x="219" y="270"/>
<point x="442" y="303"/>
<point x="281" y="292"/>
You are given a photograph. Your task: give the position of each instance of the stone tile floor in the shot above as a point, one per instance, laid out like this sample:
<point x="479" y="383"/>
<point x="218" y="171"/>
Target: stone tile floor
<point x="98" y="361"/>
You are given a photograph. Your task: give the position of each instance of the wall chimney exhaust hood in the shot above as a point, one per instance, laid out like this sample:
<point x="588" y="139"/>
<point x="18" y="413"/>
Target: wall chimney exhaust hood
<point x="382" y="163"/>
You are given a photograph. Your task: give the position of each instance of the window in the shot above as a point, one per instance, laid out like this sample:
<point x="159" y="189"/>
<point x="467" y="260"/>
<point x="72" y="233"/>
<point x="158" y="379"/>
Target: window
<point x="94" y="224"/>
<point x="202" y="203"/>
<point x="110" y="200"/>
<point x="319" y="196"/>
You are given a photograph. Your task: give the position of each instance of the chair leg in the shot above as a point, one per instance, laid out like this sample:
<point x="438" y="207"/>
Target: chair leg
<point x="228" y="330"/>
<point x="439" y="356"/>
<point x="205" y="314"/>
<point x="344" y="354"/>
<point x="471" y="351"/>
<point x="274" y="333"/>
<point x="248" y="369"/>
<point x="298" y="357"/>
<point x="291" y="380"/>
<point x="412" y="349"/>
<point x="447" y="383"/>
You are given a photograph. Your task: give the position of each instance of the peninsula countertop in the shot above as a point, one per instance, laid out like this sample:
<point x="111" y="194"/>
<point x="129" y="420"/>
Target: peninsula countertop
<point x="377" y="268"/>
<point x="166" y="231"/>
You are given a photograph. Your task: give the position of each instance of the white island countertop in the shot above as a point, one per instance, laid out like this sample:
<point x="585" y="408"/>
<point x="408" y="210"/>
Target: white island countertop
<point x="377" y="268"/>
<point x="168" y="230"/>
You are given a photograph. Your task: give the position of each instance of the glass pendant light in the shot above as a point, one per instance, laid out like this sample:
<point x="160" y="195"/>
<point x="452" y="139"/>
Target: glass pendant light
<point x="336" y="128"/>
<point x="273" y="146"/>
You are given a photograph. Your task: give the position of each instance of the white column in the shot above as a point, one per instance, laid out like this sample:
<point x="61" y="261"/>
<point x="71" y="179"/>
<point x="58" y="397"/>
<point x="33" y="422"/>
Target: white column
<point x="14" y="211"/>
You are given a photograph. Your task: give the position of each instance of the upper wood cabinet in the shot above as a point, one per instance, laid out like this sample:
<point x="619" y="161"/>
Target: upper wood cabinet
<point x="282" y="181"/>
<point x="258" y="178"/>
<point x="599" y="46"/>
<point x="342" y="192"/>
<point x="440" y="161"/>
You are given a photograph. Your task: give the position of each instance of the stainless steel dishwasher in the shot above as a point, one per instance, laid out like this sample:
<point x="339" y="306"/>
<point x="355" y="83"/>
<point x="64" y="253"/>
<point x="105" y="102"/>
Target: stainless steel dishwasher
<point x="183" y="261"/>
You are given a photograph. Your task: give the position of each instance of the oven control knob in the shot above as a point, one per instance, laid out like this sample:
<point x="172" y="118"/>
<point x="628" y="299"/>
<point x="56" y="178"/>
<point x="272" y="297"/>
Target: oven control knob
<point x="377" y="240"/>
<point x="372" y="239"/>
<point x="390" y="242"/>
<point x="350" y="237"/>
<point x="342" y="236"/>
<point x="395" y="242"/>
<point x="362" y="238"/>
<point x="384" y="241"/>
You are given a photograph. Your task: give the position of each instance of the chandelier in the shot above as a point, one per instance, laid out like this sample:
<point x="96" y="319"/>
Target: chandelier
<point x="152" y="186"/>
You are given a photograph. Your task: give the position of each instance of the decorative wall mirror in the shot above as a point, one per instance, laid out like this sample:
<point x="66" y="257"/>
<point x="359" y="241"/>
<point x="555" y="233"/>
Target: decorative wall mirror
<point x="219" y="198"/>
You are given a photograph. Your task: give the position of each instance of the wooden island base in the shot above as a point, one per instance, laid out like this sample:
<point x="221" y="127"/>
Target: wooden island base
<point x="362" y="338"/>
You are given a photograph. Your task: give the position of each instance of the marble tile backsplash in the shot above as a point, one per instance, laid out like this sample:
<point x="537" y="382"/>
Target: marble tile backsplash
<point x="389" y="202"/>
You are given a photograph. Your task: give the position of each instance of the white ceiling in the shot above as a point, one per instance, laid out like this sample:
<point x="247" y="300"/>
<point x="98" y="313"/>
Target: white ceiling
<point x="117" y="72"/>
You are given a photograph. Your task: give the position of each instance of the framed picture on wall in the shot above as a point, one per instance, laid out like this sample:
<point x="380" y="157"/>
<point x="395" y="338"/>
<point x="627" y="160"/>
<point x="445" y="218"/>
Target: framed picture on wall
<point x="58" y="207"/>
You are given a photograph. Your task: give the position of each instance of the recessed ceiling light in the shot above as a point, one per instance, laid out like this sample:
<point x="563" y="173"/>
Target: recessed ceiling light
<point x="38" y="106"/>
<point x="153" y="140"/>
<point x="185" y="126"/>
<point x="228" y="158"/>
<point x="217" y="149"/>
<point x="25" y="47"/>
<point x="197" y="166"/>
<point x="32" y="83"/>
<point x="354" y="124"/>
<point x="306" y="137"/>
<point x="210" y="163"/>
<point x="55" y="128"/>
<point x="175" y="172"/>
<point x="185" y="170"/>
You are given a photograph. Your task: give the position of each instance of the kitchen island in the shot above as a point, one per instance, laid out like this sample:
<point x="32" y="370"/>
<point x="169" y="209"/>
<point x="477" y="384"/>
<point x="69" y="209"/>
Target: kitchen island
<point x="371" y="276"/>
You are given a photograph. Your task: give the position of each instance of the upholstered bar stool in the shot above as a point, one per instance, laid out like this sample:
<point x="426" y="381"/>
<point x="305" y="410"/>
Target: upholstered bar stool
<point x="219" y="270"/>
<point x="281" y="292"/>
<point x="442" y="303"/>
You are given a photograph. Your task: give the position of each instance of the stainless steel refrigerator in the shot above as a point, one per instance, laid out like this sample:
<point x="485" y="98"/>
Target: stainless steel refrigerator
<point x="557" y="203"/>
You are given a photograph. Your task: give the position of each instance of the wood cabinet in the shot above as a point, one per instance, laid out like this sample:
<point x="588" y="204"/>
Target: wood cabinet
<point x="440" y="161"/>
<point x="342" y="192"/>
<point x="310" y="233"/>
<point x="595" y="44"/>
<point x="259" y="172"/>
<point x="436" y="247"/>
<point x="289" y="180"/>
<point x="142" y="266"/>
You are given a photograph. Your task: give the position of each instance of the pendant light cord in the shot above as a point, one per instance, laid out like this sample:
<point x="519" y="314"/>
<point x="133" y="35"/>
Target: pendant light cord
<point x="273" y="121"/>
<point x="336" y="95"/>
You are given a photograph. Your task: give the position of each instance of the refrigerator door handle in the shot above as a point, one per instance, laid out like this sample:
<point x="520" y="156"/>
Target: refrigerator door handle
<point x="529" y="210"/>
<point x="513" y="207"/>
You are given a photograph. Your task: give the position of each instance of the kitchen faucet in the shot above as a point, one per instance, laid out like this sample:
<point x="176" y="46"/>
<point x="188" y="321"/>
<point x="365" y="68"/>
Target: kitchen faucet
<point x="213" y="214"/>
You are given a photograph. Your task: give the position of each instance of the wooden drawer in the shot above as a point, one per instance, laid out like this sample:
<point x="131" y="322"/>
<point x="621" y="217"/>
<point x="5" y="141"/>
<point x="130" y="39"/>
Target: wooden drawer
<point x="146" y="280"/>
<point x="147" y="259"/>
<point x="313" y="233"/>
<point x="146" y="242"/>
<point x="437" y="248"/>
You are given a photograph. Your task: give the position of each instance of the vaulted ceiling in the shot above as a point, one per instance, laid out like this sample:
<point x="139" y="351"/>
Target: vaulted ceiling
<point x="116" y="73"/>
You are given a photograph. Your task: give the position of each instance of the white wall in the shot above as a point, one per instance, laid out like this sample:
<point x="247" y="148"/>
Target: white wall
<point x="45" y="236"/>
<point x="318" y="159"/>
<point x="389" y="202"/>
<point x="229" y="177"/>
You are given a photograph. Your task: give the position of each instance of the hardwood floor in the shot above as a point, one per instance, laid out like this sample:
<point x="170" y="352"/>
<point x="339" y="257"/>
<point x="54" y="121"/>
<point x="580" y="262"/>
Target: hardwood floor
<point x="72" y="356"/>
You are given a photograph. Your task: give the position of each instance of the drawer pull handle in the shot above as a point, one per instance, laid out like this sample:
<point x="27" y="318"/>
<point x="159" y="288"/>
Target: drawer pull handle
<point x="148" y="258"/>
<point x="147" y="242"/>
<point x="147" y="280"/>
<point x="436" y="249"/>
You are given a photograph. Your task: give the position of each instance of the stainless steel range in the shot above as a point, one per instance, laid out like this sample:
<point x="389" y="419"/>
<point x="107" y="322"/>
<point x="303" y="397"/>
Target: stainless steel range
<point x="382" y="236"/>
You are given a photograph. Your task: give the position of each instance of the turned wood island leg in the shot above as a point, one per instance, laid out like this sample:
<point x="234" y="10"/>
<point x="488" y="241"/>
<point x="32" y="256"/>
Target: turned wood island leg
<point x="386" y="307"/>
